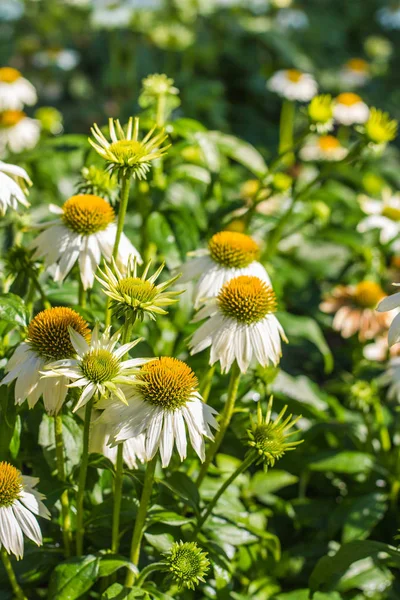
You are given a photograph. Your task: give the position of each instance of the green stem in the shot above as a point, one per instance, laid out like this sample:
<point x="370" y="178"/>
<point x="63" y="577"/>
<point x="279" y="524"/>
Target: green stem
<point x="81" y="293"/>
<point x="138" y="530"/>
<point x="158" y="168"/>
<point x="160" y="116"/>
<point x="383" y="430"/>
<point x="286" y="127"/>
<point x="248" y="461"/>
<point x="80" y="529"/>
<point x="206" y="384"/>
<point x="65" y="510"/>
<point x="148" y="571"/>
<point x="224" y="423"/>
<point x="394" y="495"/>
<point x="19" y="594"/>
<point x="123" y="205"/>
<point x="39" y="288"/>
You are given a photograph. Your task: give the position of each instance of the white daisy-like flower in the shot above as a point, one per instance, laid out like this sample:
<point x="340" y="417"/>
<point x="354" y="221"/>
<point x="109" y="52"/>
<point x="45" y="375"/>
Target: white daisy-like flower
<point x="389" y="17"/>
<point x="349" y="109"/>
<point x="99" y="440"/>
<point x="48" y="340"/>
<point x="382" y="214"/>
<point x="14" y="183"/>
<point x="229" y="254"/>
<point x="108" y="14"/>
<point x="355" y="73"/>
<point x="15" y="90"/>
<point x="19" y="505"/>
<point x="241" y="325"/>
<point x="162" y="404"/>
<point x="323" y="148"/>
<point x="17" y="131"/>
<point x="98" y="368"/>
<point x="386" y="305"/>
<point x="293" y="85"/>
<point x="85" y="231"/>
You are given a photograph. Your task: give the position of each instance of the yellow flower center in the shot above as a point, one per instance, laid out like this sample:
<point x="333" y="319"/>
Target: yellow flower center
<point x="391" y="212"/>
<point x="128" y="152"/>
<point x="100" y="365"/>
<point x="247" y="299"/>
<point x="48" y="332"/>
<point x="327" y="143"/>
<point x="10" y="118"/>
<point x="87" y="214"/>
<point x="358" y="64"/>
<point x="233" y="249"/>
<point x="168" y="382"/>
<point x="368" y="293"/>
<point x="348" y="99"/>
<point x="9" y="75"/>
<point x="10" y="484"/>
<point x="294" y="75"/>
<point x="139" y="291"/>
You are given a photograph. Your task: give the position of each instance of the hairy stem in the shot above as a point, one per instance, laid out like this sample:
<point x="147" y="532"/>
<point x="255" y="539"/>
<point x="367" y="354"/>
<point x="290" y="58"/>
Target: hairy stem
<point x="64" y="499"/>
<point x="80" y="529"/>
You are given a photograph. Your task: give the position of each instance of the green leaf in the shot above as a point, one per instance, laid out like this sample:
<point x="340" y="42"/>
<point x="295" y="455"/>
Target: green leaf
<point x="349" y="462"/>
<point x="209" y="151"/>
<point x="73" y="578"/>
<point x="161" y="235"/>
<point x="16" y="438"/>
<point x="161" y="542"/>
<point x="331" y="570"/>
<point x="110" y="563"/>
<point x="364" y="513"/>
<point x="181" y="485"/>
<point x="72" y="437"/>
<point x="243" y="152"/>
<point x="8" y="419"/>
<point x="119" y="592"/>
<point x="13" y="310"/>
<point x="304" y="328"/>
<point x="167" y="517"/>
<point x="264" y="484"/>
<point x="189" y="171"/>
<point x="304" y="594"/>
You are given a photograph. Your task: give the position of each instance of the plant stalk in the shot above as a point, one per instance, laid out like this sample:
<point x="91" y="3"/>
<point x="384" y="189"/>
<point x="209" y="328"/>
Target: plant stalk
<point x="64" y="499"/>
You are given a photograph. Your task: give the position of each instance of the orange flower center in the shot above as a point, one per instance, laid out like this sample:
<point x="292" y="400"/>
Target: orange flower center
<point x="368" y="293"/>
<point x="233" y="249"/>
<point x="10" y="484"/>
<point x="294" y="75"/>
<point x="247" y="299"/>
<point x="10" y="118"/>
<point x="327" y="143"/>
<point x="9" y="75"/>
<point x="167" y="382"/>
<point x="358" y="64"/>
<point x="348" y="99"/>
<point x="87" y="214"/>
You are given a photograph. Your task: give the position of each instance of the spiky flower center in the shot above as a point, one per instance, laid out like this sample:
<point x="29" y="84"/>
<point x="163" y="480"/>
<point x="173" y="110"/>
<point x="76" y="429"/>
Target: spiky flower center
<point x="294" y="75"/>
<point x="320" y="109"/>
<point x="87" y="214"/>
<point x="100" y="365"/>
<point x="328" y="143"/>
<point x="391" y="212"/>
<point x="138" y="290"/>
<point x="232" y="249"/>
<point x="168" y="382"/>
<point x="11" y="484"/>
<point x="368" y="293"/>
<point x="379" y="127"/>
<point x="9" y="75"/>
<point x="48" y="333"/>
<point x="188" y="564"/>
<point x="269" y="440"/>
<point x="247" y="299"/>
<point x="10" y="118"/>
<point x="348" y="99"/>
<point x="358" y="64"/>
<point x="128" y="152"/>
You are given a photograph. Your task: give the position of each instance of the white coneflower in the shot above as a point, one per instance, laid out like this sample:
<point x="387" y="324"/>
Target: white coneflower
<point x="17" y="131"/>
<point x="48" y="340"/>
<point x="354" y="73"/>
<point x="383" y="215"/>
<point x="387" y="305"/>
<point x="14" y="182"/>
<point x="293" y="85"/>
<point x="99" y="439"/>
<point x="349" y="109"/>
<point x="108" y="14"/>
<point x="15" y="90"/>
<point x="98" y="368"/>
<point x="19" y="503"/>
<point x="389" y="17"/>
<point x="229" y="254"/>
<point x="391" y="378"/>
<point x="241" y="325"/>
<point x="85" y="231"/>
<point x="323" y="148"/>
<point x="163" y="399"/>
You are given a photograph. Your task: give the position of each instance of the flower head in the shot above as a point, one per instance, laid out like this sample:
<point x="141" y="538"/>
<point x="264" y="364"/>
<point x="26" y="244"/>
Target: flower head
<point x="349" y="109"/>
<point x="17" y="131"/>
<point x="389" y="304"/>
<point x="19" y="503"/>
<point x="383" y="215"/>
<point x="84" y="231"/>
<point x="162" y="399"/>
<point x="354" y="309"/>
<point x="320" y="112"/>
<point x="355" y="73"/>
<point x="187" y="563"/>
<point x="133" y="295"/>
<point x="241" y="324"/>
<point x="270" y="438"/>
<point x="15" y="90"/>
<point x="323" y="148"/>
<point x="293" y="85"/>
<point x="157" y="85"/>
<point x="229" y="254"/>
<point x="125" y="153"/>
<point x="98" y="367"/>
<point x="48" y="340"/>
<point x="98" y="182"/>
<point x="380" y="128"/>
<point x="50" y="119"/>
<point x="14" y="183"/>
